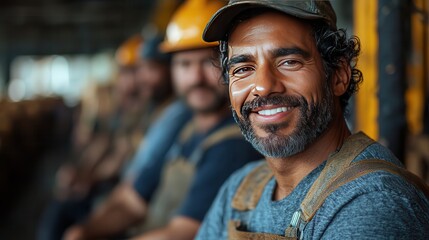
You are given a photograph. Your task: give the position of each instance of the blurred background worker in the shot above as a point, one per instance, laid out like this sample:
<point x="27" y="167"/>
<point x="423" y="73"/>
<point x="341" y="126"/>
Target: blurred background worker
<point x="143" y="91"/>
<point x="154" y="72"/>
<point x="120" y="119"/>
<point x="171" y="196"/>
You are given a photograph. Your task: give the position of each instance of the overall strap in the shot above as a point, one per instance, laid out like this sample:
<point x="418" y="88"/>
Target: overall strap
<point x="186" y="132"/>
<point x="250" y="190"/>
<point x="335" y="165"/>
<point x="363" y="167"/>
<point x="184" y="135"/>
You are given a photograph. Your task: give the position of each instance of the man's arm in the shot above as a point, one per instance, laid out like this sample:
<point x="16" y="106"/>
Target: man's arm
<point x="179" y="228"/>
<point x="123" y="208"/>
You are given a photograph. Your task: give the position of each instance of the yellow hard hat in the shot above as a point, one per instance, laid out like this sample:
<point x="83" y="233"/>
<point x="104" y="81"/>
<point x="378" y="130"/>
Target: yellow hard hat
<point x="185" y="30"/>
<point x="128" y="53"/>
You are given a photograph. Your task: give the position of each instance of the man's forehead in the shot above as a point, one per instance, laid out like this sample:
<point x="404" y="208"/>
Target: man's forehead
<point x="270" y="30"/>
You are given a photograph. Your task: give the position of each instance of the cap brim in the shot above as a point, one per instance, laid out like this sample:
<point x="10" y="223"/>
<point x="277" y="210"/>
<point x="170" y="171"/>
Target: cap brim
<point x="217" y="27"/>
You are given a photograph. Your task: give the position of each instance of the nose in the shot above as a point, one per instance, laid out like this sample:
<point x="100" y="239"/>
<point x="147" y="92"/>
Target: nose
<point x="267" y="82"/>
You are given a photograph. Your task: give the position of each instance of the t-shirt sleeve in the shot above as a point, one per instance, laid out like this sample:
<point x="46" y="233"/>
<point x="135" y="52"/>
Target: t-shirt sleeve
<point x="148" y="179"/>
<point x="217" y="164"/>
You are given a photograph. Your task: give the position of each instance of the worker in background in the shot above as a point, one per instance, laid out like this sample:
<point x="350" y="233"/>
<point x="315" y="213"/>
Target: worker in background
<point x="291" y="73"/>
<point x="163" y="131"/>
<point x="82" y="186"/>
<point x="117" y="131"/>
<point x="171" y="197"/>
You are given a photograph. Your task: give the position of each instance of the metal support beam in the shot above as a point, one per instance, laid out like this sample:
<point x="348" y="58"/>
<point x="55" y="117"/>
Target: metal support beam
<point x="366" y="105"/>
<point x="392" y="22"/>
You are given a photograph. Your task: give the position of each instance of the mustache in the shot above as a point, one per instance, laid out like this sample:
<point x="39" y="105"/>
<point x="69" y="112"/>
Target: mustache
<point x="292" y="101"/>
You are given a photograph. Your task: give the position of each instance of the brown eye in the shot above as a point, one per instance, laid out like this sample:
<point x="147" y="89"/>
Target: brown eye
<point x="290" y="64"/>
<point x="242" y="70"/>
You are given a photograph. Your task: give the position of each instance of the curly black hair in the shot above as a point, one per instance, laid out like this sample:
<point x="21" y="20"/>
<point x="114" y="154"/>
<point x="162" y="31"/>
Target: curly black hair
<point x="334" y="46"/>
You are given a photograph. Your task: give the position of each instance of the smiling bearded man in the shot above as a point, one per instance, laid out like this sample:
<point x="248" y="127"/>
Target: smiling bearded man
<point x="313" y="121"/>
<point x="291" y="73"/>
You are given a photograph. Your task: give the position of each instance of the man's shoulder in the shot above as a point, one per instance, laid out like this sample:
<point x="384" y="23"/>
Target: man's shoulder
<point x="377" y="200"/>
<point x="378" y="151"/>
<point x="383" y="180"/>
<point x="383" y="184"/>
<point x="380" y="186"/>
<point x="379" y="181"/>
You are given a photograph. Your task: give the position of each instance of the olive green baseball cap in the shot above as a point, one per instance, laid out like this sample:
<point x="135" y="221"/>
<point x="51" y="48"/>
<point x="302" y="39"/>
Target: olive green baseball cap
<point x="219" y="24"/>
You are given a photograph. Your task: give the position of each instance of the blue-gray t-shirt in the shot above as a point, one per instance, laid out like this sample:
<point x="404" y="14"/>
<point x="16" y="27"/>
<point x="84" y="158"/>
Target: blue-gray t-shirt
<point x="379" y="205"/>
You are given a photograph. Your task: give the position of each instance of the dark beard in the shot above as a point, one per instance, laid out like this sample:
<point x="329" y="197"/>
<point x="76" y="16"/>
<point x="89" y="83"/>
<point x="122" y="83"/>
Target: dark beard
<point x="313" y="121"/>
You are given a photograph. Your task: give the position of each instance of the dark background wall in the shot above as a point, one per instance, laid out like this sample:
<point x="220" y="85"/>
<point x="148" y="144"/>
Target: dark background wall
<point x="44" y="27"/>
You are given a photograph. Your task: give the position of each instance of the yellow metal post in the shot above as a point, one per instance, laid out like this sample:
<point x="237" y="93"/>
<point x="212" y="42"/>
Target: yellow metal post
<point x="415" y="94"/>
<point x="418" y="87"/>
<point x="365" y="25"/>
<point x="426" y="60"/>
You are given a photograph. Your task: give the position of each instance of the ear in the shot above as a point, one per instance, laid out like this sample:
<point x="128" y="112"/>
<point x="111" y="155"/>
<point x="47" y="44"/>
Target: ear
<point x="341" y="78"/>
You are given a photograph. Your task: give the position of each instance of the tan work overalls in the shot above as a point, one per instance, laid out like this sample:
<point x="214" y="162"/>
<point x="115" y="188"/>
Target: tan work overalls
<point x="338" y="171"/>
<point x="178" y="174"/>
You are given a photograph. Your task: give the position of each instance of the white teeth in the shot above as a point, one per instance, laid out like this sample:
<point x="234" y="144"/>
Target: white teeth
<point x="270" y="112"/>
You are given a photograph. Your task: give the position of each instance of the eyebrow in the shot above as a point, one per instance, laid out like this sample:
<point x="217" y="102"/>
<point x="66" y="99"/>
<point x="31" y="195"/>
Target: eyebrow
<point x="281" y="52"/>
<point x="238" y="59"/>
